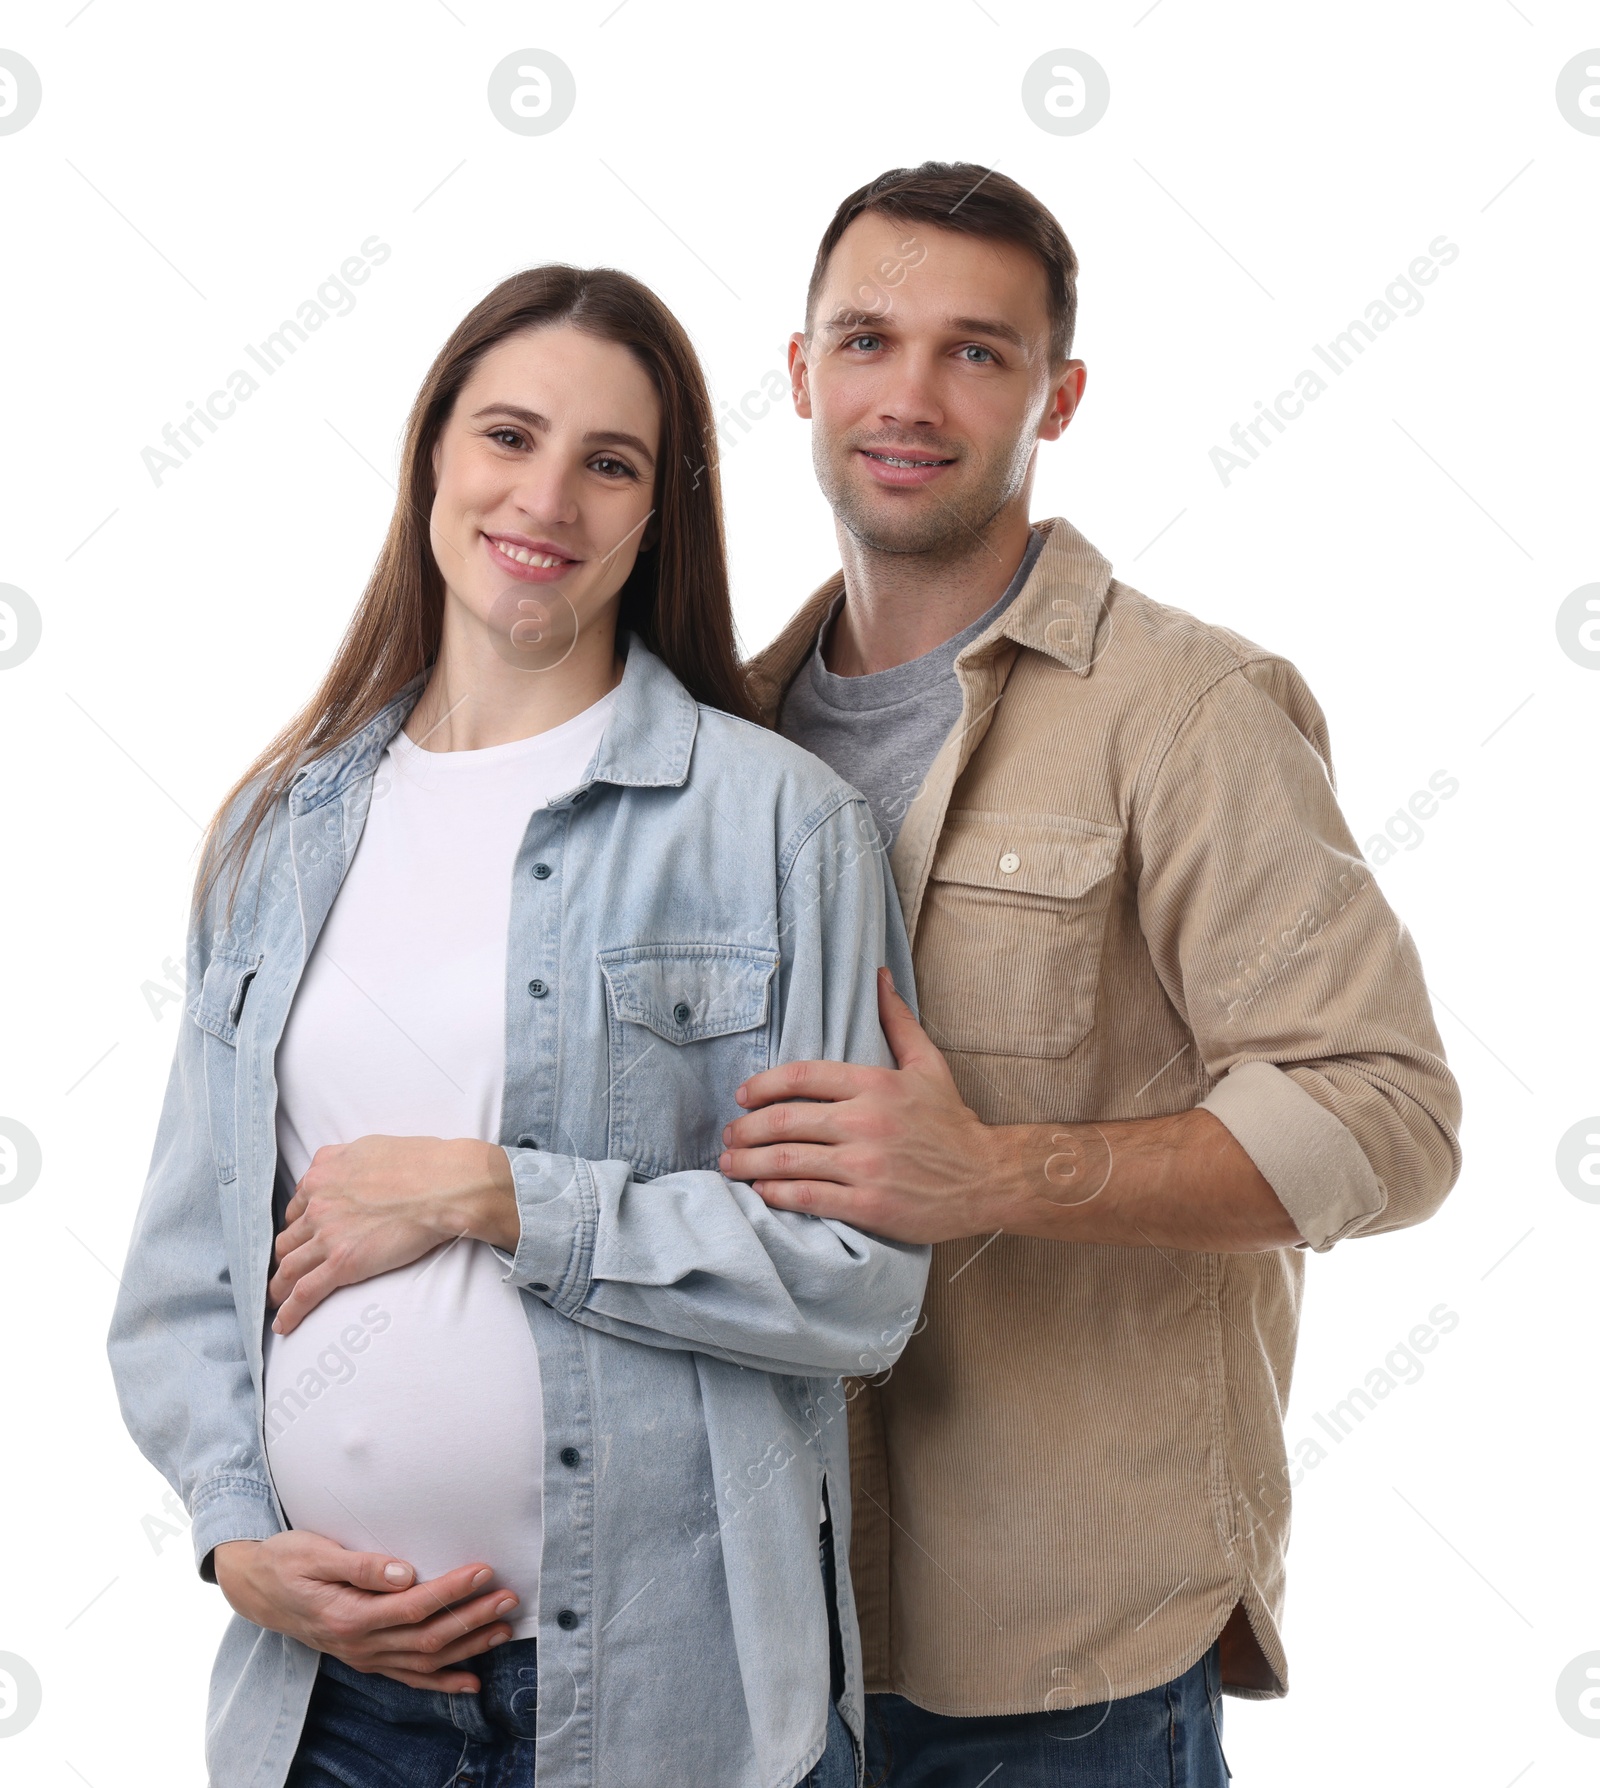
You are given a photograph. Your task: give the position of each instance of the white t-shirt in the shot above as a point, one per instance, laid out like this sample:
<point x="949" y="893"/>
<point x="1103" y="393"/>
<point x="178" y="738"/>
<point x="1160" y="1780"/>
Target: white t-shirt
<point x="404" y="1413"/>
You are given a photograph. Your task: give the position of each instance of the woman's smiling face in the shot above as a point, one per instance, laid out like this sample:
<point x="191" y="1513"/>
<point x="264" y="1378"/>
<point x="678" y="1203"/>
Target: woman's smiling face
<point x="544" y="477"/>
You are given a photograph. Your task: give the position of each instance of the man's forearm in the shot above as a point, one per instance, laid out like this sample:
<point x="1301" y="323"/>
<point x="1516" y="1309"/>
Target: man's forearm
<point x="899" y="1153"/>
<point x="1168" y="1182"/>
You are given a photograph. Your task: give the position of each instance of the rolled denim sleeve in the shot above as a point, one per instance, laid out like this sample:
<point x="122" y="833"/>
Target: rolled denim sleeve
<point x="174" y="1344"/>
<point x="1303" y="990"/>
<point x="697" y="1261"/>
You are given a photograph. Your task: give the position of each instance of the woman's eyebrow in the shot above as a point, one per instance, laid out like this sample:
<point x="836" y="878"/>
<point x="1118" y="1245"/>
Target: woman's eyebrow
<point x="531" y="417"/>
<point x="615" y="438"/>
<point x="596" y="438"/>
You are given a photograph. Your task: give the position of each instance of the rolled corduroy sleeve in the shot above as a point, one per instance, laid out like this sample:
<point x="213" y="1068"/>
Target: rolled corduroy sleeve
<point x="1303" y="990"/>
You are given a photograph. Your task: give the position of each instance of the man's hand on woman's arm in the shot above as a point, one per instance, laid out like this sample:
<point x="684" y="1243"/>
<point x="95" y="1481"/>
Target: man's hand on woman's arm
<point x="380" y="1202"/>
<point x="365" y="1607"/>
<point x="898" y="1152"/>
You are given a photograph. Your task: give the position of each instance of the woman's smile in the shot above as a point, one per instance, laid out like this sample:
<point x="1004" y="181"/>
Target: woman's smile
<point x="530" y="562"/>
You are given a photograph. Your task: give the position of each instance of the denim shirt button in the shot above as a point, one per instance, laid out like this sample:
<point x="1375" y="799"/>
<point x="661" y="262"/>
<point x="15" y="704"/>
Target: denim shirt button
<point x="570" y="1457"/>
<point x="681" y="1012"/>
<point x="538" y="989"/>
<point x="537" y="1285"/>
<point x="577" y="801"/>
<point x="540" y="871"/>
<point x="566" y="1620"/>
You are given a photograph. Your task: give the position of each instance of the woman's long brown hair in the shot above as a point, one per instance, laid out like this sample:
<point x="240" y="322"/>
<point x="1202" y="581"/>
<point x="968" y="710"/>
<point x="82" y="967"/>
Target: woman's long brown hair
<point x="676" y="597"/>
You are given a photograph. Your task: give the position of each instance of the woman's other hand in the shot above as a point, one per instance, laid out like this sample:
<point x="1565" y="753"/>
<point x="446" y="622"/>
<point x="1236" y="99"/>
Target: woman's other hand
<point x="380" y="1202"/>
<point x="350" y="1604"/>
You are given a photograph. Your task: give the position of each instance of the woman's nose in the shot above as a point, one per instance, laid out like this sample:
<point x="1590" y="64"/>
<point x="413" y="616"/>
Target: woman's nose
<point x="548" y="495"/>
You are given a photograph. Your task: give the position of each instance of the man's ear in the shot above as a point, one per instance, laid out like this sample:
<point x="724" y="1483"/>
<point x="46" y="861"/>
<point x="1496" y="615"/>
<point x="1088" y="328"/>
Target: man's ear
<point x="799" y="383"/>
<point x="1064" y="400"/>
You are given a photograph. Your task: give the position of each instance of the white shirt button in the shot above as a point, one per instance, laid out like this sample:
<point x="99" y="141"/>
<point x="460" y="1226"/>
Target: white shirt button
<point x="1010" y="863"/>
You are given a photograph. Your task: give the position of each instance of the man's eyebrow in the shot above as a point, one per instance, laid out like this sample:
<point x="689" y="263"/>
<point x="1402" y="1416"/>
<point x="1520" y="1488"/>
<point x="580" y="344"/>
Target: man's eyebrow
<point x="844" y="321"/>
<point x="989" y="326"/>
<point x="599" y="438"/>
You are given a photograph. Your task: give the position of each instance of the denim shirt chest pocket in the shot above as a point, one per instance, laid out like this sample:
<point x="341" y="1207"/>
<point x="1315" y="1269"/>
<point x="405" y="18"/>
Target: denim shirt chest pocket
<point x="217" y="1008"/>
<point x="683" y="1020"/>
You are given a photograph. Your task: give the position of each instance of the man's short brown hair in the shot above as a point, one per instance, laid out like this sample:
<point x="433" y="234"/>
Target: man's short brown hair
<point x="973" y="201"/>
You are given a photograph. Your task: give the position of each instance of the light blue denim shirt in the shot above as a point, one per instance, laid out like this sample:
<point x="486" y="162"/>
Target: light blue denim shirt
<point x="709" y="901"/>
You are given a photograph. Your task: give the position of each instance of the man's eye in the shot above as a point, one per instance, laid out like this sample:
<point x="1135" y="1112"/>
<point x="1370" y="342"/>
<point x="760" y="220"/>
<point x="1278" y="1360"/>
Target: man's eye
<point x="872" y="341"/>
<point x="973" y="347"/>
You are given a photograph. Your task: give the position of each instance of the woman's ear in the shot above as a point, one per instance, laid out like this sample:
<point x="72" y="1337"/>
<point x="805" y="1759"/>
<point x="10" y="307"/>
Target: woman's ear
<point x="652" y="532"/>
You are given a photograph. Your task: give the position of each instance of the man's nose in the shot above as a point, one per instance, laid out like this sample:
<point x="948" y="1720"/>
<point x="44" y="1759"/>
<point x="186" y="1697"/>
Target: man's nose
<point x="910" y="397"/>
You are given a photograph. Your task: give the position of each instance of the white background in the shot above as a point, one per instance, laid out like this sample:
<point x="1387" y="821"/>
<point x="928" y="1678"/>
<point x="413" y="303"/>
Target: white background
<point x="1262" y="173"/>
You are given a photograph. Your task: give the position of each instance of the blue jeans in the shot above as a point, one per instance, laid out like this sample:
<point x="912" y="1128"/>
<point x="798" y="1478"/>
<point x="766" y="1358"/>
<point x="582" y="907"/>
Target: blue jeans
<point x="1170" y="1737"/>
<point x="368" y="1731"/>
<point x="363" y="1730"/>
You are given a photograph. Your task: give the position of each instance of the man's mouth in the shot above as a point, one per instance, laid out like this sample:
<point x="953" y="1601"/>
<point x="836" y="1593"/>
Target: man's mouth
<point x="914" y="462"/>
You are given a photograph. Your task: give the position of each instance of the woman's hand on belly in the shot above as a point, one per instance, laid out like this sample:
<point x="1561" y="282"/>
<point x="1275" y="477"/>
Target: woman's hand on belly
<point x="341" y="1602"/>
<point x="366" y="1207"/>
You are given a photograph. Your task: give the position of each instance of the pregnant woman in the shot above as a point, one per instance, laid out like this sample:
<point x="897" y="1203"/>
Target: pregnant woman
<point x="510" y="1429"/>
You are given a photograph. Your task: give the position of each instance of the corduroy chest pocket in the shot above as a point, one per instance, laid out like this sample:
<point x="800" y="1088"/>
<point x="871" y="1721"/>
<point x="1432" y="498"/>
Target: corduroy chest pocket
<point x="687" y="1023"/>
<point x="217" y="1009"/>
<point x="1009" y="940"/>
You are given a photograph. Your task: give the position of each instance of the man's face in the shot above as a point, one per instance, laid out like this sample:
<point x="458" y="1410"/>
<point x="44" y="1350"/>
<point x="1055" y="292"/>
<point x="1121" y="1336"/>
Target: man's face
<point x="928" y="381"/>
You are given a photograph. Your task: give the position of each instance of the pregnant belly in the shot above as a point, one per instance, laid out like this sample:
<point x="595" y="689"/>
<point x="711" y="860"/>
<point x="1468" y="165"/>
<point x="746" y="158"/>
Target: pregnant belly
<point x="404" y="1416"/>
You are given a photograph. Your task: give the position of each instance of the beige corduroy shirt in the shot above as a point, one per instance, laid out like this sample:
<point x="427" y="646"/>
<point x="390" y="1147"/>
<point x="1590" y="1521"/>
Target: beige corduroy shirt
<point x="1130" y="891"/>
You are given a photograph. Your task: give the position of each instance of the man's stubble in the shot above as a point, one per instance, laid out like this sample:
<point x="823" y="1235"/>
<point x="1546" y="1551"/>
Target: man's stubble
<point x="944" y="529"/>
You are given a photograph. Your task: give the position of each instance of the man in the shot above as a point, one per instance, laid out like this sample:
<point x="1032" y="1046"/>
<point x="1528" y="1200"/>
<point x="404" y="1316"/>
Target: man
<point x="1171" y="1036"/>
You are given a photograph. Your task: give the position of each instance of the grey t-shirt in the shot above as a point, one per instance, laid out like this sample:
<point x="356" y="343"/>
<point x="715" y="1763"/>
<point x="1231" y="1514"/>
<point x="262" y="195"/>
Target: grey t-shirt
<point x="881" y="732"/>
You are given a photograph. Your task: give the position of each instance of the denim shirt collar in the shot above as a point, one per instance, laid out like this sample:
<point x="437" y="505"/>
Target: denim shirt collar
<point x="650" y="737"/>
<point x="647" y="743"/>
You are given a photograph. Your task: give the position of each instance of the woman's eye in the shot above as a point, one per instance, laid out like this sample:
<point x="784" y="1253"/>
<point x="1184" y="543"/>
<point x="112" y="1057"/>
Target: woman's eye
<point x="497" y="434"/>
<point x="613" y="468"/>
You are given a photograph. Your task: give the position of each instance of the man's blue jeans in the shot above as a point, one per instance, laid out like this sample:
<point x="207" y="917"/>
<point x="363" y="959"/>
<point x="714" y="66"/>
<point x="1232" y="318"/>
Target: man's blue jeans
<point x="1170" y="1737"/>
<point x="368" y="1731"/>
